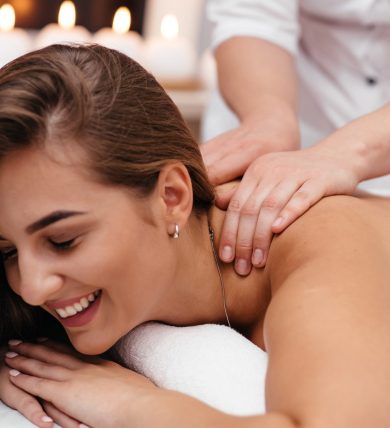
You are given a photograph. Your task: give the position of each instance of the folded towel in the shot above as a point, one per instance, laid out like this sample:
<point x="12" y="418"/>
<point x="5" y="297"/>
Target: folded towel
<point x="210" y="362"/>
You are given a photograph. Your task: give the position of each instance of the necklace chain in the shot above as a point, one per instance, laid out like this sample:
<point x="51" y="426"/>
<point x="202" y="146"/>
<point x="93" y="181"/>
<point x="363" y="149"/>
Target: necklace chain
<point x="211" y="234"/>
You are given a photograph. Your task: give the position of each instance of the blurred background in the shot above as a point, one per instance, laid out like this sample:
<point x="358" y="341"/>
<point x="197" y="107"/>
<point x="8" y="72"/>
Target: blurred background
<point x="170" y="38"/>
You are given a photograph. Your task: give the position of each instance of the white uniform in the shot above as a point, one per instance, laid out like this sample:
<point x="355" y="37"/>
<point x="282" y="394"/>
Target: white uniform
<point x="342" y="50"/>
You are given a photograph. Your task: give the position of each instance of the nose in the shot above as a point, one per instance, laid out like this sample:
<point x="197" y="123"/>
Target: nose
<point x="38" y="282"/>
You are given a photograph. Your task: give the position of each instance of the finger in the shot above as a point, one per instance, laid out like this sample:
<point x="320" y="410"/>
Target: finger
<point x="270" y="209"/>
<point x="305" y="197"/>
<point x="246" y="229"/>
<point x="232" y="218"/>
<point x="229" y="167"/>
<point x="43" y="388"/>
<point x="34" y="367"/>
<point x="45" y="354"/>
<point x="224" y="195"/>
<point x="29" y="407"/>
<point x="60" y="417"/>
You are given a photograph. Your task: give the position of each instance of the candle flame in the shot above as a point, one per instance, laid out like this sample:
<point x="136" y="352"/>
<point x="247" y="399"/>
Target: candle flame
<point x="7" y="17"/>
<point x="122" y="20"/>
<point x="67" y="15"/>
<point x="169" y="27"/>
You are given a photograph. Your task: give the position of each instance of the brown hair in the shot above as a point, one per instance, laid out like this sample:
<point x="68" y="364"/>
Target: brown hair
<point x="114" y="109"/>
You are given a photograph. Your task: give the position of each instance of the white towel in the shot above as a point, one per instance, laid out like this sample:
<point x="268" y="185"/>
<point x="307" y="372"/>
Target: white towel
<point x="210" y="362"/>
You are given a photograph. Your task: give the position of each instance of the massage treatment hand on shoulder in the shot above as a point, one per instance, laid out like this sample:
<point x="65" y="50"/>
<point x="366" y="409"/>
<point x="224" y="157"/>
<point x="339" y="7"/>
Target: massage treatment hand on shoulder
<point x="294" y="74"/>
<point x="108" y="221"/>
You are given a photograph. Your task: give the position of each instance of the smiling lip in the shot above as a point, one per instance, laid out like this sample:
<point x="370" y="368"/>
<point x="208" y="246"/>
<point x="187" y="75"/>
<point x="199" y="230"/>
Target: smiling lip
<point x="84" y="317"/>
<point x="59" y="304"/>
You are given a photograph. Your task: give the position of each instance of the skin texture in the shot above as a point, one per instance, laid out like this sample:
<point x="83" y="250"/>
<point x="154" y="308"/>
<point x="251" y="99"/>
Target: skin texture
<point x="258" y="81"/>
<point x="319" y="308"/>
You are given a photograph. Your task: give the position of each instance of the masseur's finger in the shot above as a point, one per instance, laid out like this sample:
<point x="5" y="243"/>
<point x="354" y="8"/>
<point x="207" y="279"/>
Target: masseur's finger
<point x="34" y="367"/>
<point x="60" y="418"/>
<point x="44" y="353"/>
<point x="270" y="209"/>
<point x="246" y="229"/>
<point x="224" y="193"/>
<point x="305" y="197"/>
<point x="227" y="243"/>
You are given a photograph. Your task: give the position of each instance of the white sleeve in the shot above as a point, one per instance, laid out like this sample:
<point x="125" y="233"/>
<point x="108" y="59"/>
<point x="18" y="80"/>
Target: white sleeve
<point x="273" y="20"/>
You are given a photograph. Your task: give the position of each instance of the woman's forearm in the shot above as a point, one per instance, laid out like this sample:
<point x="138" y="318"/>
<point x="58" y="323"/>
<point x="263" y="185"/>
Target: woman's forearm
<point x="257" y="77"/>
<point x="364" y="144"/>
<point x="169" y="409"/>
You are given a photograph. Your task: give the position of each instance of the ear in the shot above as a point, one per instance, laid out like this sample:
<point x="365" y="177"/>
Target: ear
<point x="174" y="189"/>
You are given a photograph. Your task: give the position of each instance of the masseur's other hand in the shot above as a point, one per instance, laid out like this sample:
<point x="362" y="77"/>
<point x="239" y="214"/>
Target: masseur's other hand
<point x="98" y="393"/>
<point x="229" y="154"/>
<point x="276" y="189"/>
<point x="41" y="413"/>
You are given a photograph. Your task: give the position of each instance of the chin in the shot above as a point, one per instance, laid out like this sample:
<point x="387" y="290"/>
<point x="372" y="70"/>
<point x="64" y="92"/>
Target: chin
<point x="88" y="345"/>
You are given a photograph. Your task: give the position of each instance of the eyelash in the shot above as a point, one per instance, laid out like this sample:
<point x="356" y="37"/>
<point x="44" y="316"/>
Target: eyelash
<point x="59" y="246"/>
<point x="64" y="245"/>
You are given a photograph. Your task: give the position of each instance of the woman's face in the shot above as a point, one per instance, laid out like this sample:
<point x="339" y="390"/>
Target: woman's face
<point x="80" y="249"/>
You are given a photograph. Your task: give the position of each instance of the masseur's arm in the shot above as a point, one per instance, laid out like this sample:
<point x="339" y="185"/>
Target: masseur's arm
<point x="258" y="81"/>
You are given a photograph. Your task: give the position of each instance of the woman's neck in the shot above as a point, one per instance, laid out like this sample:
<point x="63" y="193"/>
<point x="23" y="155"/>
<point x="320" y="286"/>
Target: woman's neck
<point x="196" y="295"/>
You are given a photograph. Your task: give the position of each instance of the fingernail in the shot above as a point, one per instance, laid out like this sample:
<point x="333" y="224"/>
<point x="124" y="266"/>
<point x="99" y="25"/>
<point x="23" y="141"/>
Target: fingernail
<point x="42" y="339"/>
<point x="278" y="221"/>
<point x="14" y="372"/>
<point x="242" y="266"/>
<point x="83" y="426"/>
<point x="11" y="354"/>
<point x="257" y="256"/>
<point x="14" y="342"/>
<point x="46" y="419"/>
<point x="227" y="253"/>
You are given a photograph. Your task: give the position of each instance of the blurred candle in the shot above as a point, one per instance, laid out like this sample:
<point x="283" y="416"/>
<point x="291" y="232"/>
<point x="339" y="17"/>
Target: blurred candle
<point x="65" y="31"/>
<point x="13" y="41"/>
<point x="119" y="37"/>
<point x="170" y="57"/>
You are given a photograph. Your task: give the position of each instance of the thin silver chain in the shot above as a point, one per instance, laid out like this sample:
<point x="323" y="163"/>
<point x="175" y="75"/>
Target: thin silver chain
<point x="211" y="234"/>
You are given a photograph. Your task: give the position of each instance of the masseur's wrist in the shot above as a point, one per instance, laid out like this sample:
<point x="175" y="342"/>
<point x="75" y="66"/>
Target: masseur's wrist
<point x="276" y="119"/>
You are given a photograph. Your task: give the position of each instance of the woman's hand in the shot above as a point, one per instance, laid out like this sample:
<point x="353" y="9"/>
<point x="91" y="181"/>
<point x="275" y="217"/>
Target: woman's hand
<point x="99" y="393"/>
<point x="276" y="189"/>
<point x="23" y="402"/>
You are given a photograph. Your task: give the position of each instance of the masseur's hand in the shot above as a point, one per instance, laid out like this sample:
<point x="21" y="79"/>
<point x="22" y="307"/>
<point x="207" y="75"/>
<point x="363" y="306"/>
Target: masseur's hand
<point x="276" y="189"/>
<point x="40" y="412"/>
<point x="98" y="393"/>
<point x="228" y="155"/>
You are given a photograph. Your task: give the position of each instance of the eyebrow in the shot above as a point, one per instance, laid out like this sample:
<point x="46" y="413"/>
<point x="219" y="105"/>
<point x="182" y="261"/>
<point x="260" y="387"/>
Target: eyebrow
<point x="50" y="219"/>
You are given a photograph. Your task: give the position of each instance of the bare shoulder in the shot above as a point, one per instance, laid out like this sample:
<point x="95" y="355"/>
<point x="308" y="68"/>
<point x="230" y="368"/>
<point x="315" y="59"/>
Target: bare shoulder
<point x="338" y="229"/>
<point x="330" y="279"/>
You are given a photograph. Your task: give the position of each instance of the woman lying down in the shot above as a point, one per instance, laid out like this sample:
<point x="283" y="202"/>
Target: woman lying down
<point x="107" y="221"/>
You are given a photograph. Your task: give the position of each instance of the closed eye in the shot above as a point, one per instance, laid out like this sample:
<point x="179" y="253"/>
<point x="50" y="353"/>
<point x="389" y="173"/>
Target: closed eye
<point x="8" y="253"/>
<point x="63" y="245"/>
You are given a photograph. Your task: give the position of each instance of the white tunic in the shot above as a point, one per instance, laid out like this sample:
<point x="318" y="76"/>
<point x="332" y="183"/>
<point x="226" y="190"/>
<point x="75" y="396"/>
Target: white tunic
<point x="342" y="50"/>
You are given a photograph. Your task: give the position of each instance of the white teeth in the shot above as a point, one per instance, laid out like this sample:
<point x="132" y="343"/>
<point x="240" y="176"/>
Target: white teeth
<point x="78" y="306"/>
<point x="84" y="302"/>
<point x="70" y="310"/>
<point x="61" y="313"/>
